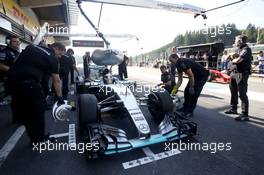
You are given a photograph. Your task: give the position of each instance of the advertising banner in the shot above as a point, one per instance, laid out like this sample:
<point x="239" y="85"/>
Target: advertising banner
<point x="13" y="11"/>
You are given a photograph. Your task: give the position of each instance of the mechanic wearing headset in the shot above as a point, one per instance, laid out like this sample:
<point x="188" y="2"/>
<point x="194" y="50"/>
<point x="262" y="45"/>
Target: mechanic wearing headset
<point x="239" y="78"/>
<point x="197" y="75"/>
<point x="9" y="54"/>
<point x="7" y="58"/>
<point x="27" y="93"/>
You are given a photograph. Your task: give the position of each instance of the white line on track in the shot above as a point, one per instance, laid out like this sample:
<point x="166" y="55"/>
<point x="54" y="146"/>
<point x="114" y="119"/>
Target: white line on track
<point x="148" y="152"/>
<point x="72" y="135"/>
<point x="10" y="144"/>
<point x="60" y="135"/>
<point x="150" y="158"/>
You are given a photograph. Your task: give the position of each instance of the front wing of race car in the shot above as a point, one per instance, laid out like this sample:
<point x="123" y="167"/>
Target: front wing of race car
<point x="113" y="140"/>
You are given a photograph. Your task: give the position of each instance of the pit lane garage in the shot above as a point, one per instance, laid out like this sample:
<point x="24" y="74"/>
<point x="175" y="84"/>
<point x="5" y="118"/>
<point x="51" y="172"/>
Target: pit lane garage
<point x="209" y="56"/>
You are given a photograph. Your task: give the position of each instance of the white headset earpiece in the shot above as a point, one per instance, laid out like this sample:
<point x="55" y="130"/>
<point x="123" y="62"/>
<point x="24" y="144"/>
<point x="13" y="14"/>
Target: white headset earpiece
<point x="62" y="112"/>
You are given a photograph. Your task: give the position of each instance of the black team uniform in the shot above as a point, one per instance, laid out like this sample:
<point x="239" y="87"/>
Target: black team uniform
<point x="200" y="78"/>
<point x="165" y="78"/>
<point x="72" y="68"/>
<point x="244" y="69"/>
<point x="66" y="65"/>
<point x="8" y="57"/>
<point x="27" y="93"/>
<point x="122" y="68"/>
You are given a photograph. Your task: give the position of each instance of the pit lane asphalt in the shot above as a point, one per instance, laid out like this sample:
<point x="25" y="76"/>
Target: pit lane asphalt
<point x="245" y="157"/>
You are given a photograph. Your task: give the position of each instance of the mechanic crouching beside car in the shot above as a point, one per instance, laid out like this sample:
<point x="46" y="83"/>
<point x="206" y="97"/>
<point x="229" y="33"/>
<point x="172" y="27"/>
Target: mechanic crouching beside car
<point x="27" y="94"/>
<point x="165" y="78"/>
<point x="197" y="75"/>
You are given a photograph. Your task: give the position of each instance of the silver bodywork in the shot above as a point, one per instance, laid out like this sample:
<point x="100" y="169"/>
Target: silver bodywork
<point x="133" y="109"/>
<point x="128" y="100"/>
<point x="107" y="57"/>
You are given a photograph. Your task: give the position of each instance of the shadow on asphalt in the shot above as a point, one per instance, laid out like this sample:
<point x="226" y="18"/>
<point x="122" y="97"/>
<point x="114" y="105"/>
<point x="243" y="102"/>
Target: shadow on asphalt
<point x="256" y="122"/>
<point x="246" y="137"/>
<point x="211" y="96"/>
<point x="256" y="118"/>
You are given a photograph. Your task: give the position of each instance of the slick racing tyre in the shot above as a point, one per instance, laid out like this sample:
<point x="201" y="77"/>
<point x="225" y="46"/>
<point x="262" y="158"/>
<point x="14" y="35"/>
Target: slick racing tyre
<point x="88" y="110"/>
<point x="159" y="103"/>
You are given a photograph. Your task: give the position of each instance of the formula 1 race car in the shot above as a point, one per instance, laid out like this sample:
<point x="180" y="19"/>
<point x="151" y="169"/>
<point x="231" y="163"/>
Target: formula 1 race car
<point x="218" y="77"/>
<point x="108" y="95"/>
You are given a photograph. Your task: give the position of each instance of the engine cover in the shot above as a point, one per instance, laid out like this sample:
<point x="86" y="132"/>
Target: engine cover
<point x="107" y="57"/>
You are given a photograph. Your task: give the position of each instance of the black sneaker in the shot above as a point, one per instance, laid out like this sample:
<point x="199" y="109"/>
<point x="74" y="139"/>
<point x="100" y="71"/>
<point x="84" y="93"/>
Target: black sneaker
<point x="242" y="117"/>
<point x="231" y="111"/>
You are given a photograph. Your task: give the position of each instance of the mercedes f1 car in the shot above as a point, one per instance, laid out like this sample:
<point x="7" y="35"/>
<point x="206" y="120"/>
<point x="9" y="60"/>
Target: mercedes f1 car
<point x="106" y="94"/>
<point x="109" y="95"/>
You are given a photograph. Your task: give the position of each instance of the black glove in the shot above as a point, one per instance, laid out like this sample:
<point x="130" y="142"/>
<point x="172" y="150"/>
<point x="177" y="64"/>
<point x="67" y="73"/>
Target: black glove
<point x="60" y="100"/>
<point x="191" y="91"/>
